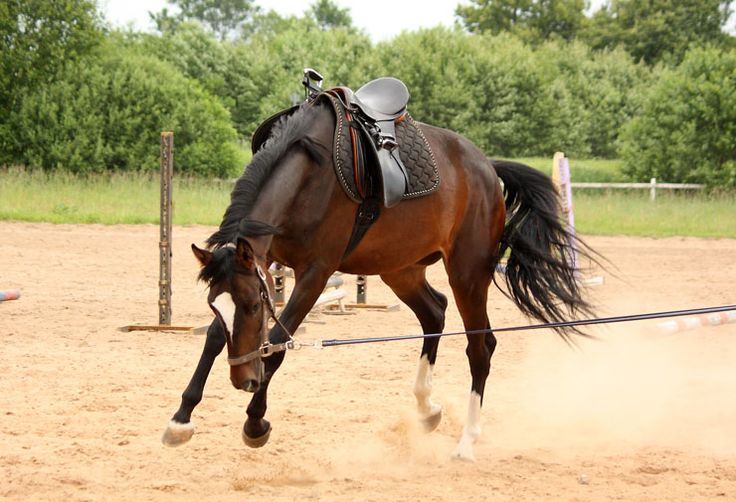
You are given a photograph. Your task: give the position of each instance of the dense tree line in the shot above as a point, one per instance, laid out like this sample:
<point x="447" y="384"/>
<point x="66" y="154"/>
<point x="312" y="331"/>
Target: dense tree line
<point x="651" y="81"/>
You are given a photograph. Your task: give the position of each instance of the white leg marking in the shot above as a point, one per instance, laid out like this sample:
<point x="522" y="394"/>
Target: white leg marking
<point x="423" y="389"/>
<point x="471" y="431"/>
<point x="177" y="433"/>
<point x="225" y="308"/>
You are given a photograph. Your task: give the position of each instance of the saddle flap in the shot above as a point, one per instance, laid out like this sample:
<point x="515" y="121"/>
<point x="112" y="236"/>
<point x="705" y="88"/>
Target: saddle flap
<point x="393" y="176"/>
<point x="391" y="172"/>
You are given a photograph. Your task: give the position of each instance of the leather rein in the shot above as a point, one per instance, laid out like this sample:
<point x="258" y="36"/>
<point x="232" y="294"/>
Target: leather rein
<point x="266" y="348"/>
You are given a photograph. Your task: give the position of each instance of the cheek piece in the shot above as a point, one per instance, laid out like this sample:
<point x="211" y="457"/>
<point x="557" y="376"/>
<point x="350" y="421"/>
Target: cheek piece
<point x="266" y="348"/>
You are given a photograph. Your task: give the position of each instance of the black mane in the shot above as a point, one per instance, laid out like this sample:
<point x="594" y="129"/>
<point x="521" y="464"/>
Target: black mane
<point x="219" y="268"/>
<point x="287" y="132"/>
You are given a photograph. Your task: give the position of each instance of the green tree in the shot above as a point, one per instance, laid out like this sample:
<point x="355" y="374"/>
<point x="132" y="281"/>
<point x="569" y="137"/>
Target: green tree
<point x="594" y="93"/>
<point x="556" y="18"/>
<point x="329" y="15"/>
<point x="107" y="114"/>
<point x="195" y="53"/>
<point x="686" y="129"/>
<point x="656" y="30"/>
<point x="493" y="16"/>
<point x="269" y="23"/>
<point x="534" y="20"/>
<point x="165" y="21"/>
<point x="223" y="17"/>
<point x="266" y="69"/>
<point x="490" y="89"/>
<point x="38" y="39"/>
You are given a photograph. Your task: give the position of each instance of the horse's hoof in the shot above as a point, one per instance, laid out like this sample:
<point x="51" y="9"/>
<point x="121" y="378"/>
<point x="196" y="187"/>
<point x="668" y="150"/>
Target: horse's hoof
<point x="177" y="434"/>
<point x="258" y="441"/>
<point x="431" y="422"/>
<point x="464" y="452"/>
<point x="463" y="457"/>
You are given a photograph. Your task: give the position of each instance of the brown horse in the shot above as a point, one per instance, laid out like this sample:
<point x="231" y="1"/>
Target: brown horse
<point x="288" y="207"/>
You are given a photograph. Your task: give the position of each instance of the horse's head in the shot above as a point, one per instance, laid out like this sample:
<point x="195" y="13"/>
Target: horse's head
<point x="240" y="298"/>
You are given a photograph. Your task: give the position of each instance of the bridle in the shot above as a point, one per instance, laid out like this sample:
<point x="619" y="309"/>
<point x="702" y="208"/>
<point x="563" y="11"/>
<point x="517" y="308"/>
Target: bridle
<point x="266" y="348"/>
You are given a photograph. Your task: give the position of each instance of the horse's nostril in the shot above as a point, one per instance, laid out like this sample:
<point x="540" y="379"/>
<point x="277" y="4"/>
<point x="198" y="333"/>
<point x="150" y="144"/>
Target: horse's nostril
<point x="250" y="385"/>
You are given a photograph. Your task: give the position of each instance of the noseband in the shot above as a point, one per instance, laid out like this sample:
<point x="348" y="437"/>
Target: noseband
<point x="266" y="348"/>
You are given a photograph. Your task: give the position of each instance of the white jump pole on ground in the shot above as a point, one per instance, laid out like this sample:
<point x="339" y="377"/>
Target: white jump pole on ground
<point x="10" y="294"/>
<point x="701" y="321"/>
<point x="333" y="292"/>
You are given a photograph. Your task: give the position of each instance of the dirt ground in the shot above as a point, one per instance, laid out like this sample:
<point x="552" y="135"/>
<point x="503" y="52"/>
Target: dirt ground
<point x="635" y="415"/>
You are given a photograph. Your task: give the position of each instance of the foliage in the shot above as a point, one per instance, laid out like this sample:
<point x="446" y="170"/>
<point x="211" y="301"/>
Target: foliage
<point x="594" y="93"/>
<point x="222" y="17"/>
<point x="672" y="214"/>
<point x="195" y="53"/>
<point x="686" y="130"/>
<point x="534" y="20"/>
<point x="582" y="170"/>
<point x="649" y="30"/>
<point x="659" y="30"/>
<point x="38" y="39"/>
<point x="108" y="115"/>
<point x="532" y="77"/>
<point x="512" y="100"/>
<point x="109" y="198"/>
<point x="114" y="198"/>
<point x="328" y="15"/>
<point x="266" y="69"/>
<point x="487" y="88"/>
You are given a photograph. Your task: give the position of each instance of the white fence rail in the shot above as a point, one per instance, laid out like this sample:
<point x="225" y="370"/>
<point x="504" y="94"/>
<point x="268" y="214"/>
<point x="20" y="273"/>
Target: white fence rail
<point x="653" y="186"/>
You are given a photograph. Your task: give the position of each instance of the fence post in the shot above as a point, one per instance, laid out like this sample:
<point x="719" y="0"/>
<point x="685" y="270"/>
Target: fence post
<point x="653" y="190"/>
<point x="164" y="282"/>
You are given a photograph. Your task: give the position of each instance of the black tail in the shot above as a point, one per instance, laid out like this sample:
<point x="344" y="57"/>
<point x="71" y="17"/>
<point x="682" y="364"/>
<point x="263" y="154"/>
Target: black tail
<point x="540" y="272"/>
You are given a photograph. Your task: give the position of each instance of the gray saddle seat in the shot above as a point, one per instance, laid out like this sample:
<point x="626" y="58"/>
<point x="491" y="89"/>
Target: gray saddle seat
<point x="382" y="99"/>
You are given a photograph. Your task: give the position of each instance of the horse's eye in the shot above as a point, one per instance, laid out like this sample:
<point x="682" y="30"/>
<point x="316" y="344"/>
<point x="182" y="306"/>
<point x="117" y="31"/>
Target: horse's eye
<point x="254" y="308"/>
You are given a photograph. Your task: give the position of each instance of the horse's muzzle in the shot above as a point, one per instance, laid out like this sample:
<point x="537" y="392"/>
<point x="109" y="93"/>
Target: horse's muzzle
<point x="248" y="385"/>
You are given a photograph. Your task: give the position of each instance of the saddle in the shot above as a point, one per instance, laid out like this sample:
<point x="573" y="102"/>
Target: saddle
<point x="380" y="153"/>
<point x="379" y="150"/>
<point x="373" y="111"/>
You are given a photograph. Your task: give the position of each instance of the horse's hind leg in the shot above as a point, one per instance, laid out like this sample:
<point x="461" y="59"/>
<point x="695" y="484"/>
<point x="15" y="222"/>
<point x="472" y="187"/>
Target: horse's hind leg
<point x="429" y="305"/>
<point x="180" y="428"/>
<point x="470" y="288"/>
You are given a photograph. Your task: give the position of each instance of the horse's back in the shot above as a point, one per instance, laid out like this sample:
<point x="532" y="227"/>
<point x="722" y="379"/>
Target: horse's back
<point x="458" y="157"/>
<point x="419" y="228"/>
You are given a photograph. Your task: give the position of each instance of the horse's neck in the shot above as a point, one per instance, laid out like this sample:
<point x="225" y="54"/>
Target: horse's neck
<point x="298" y="181"/>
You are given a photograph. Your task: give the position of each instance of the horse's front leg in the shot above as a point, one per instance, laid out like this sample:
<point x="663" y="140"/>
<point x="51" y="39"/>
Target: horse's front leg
<point x="309" y="286"/>
<point x="180" y="428"/>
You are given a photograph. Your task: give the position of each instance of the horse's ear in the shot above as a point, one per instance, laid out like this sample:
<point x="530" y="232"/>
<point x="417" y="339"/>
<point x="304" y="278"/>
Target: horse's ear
<point x="202" y="255"/>
<point x="245" y="255"/>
